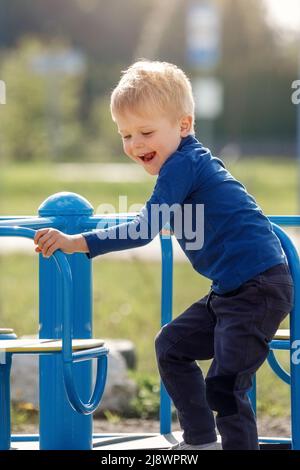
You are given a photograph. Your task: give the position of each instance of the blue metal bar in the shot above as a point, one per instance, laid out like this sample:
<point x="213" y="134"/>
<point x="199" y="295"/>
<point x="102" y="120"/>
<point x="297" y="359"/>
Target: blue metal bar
<point x="86" y="354"/>
<point x="285" y="220"/>
<point x="275" y="440"/>
<point x="166" y="317"/>
<point x="252" y="394"/>
<point x="79" y="359"/>
<point x="102" y="221"/>
<point x="5" y="368"/>
<point x="278" y="369"/>
<point x="93" y="221"/>
<point x="75" y="401"/>
<point x="283" y="344"/>
<point x="30" y="222"/>
<point x="25" y="438"/>
<point x="15" y="217"/>
<point x="298" y="143"/>
<point x="16" y="232"/>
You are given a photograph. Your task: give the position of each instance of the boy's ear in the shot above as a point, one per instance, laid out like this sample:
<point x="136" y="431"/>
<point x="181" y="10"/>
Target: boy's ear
<point x="185" y="125"/>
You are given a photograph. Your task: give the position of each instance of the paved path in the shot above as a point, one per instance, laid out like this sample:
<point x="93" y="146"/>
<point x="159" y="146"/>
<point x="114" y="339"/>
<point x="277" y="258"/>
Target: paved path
<point x="106" y="172"/>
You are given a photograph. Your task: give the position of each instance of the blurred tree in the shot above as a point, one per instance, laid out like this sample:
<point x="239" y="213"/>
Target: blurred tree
<point x="106" y="31"/>
<point x="103" y="140"/>
<point x="257" y="75"/>
<point x="41" y="118"/>
<point x="256" y="69"/>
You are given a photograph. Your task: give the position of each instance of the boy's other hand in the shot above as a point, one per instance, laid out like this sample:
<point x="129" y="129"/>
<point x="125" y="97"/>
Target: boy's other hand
<point x="51" y="239"/>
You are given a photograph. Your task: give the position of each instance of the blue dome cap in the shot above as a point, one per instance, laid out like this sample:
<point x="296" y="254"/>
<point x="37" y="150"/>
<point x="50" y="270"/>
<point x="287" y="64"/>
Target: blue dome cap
<point x="65" y="203"/>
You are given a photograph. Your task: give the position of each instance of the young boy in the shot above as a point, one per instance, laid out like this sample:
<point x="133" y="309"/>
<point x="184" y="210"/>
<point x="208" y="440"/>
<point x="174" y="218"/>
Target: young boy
<point x="252" y="290"/>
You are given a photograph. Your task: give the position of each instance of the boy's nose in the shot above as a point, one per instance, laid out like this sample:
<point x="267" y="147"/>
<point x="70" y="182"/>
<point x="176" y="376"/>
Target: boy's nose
<point x="137" y="142"/>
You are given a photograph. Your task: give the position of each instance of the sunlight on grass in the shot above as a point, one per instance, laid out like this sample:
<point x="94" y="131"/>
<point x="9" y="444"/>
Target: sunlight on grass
<point x="273" y="183"/>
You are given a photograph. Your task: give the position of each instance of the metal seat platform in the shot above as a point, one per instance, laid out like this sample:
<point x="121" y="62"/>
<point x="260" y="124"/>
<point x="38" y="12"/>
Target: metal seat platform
<point x="45" y="345"/>
<point x="283" y="334"/>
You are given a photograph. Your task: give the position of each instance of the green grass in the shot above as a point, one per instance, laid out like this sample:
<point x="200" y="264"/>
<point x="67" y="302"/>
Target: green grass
<point x="272" y="182"/>
<point x="24" y="187"/>
<point x="127" y="294"/>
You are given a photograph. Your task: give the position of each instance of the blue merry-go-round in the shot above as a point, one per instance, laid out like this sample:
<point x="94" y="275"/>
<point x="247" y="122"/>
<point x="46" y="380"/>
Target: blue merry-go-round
<point x="66" y="347"/>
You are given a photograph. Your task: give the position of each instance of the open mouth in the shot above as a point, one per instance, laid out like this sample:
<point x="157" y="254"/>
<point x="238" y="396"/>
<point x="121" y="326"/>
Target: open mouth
<point x="147" y="157"/>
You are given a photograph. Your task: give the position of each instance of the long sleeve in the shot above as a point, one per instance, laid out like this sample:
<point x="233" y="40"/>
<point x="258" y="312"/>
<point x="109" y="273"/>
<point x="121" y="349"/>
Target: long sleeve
<point x="173" y="185"/>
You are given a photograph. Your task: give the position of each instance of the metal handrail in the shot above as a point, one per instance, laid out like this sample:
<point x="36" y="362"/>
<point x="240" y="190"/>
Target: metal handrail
<point x="68" y="358"/>
<point x="294" y="264"/>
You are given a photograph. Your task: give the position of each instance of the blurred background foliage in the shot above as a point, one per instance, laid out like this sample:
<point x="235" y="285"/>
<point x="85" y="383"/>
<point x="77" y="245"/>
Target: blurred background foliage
<point x="65" y="117"/>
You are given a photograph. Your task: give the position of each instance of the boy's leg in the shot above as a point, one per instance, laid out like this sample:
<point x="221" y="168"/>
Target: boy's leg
<point x="178" y="344"/>
<point x="247" y="319"/>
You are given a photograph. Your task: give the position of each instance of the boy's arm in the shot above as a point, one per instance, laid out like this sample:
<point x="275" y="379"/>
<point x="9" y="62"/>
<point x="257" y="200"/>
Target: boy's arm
<point x="133" y="234"/>
<point x="80" y="245"/>
<point x="173" y="185"/>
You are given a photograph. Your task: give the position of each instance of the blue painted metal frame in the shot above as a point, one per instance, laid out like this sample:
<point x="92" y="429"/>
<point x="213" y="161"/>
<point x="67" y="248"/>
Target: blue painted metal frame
<point x="86" y="221"/>
<point x="276" y="367"/>
<point x="166" y="316"/>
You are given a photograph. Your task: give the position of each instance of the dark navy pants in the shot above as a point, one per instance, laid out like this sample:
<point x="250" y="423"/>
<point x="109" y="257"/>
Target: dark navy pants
<point x="234" y="330"/>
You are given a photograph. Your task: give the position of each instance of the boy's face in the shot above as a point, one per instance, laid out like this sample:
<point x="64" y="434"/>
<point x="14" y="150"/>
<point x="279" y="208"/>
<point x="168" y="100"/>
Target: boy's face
<point x="150" y="140"/>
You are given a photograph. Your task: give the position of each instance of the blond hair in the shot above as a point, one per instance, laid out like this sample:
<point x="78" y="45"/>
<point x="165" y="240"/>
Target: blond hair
<point x="148" y="85"/>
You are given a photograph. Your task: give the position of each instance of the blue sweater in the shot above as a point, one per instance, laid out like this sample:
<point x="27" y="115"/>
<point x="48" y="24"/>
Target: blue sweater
<point x="232" y="243"/>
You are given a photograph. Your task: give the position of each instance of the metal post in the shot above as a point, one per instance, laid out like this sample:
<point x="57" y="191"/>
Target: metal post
<point x="5" y="367"/>
<point x="5" y="432"/>
<point x="298" y="151"/>
<point x="252" y="394"/>
<point x="166" y="317"/>
<point x="60" y="426"/>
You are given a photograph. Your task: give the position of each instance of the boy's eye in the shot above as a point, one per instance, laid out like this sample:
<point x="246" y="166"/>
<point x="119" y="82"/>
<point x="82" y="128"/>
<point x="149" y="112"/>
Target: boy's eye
<point x="126" y="137"/>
